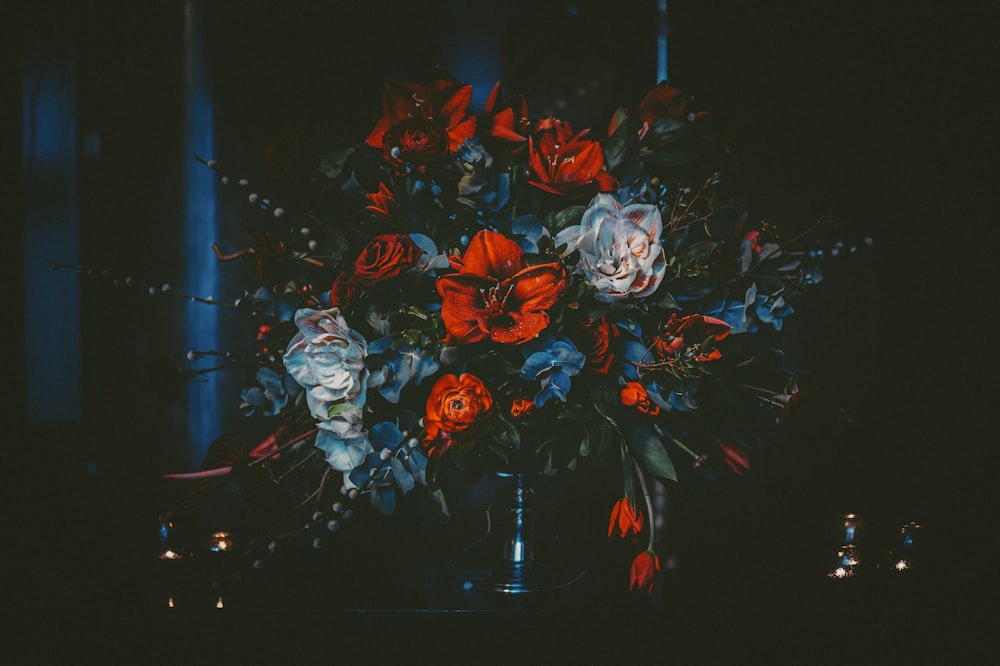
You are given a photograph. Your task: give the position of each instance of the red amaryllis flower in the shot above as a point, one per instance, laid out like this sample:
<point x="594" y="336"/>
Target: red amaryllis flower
<point x="383" y="202"/>
<point x="495" y="294"/>
<point x="456" y="407"/>
<point x="635" y="395"/>
<point x="737" y="457"/>
<point x="385" y="257"/>
<point x="596" y="339"/>
<point x="509" y="121"/>
<point x="642" y="576"/>
<point x="565" y="163"/>
<point x="692" y="330"/>
<point x="624" y="519"/>
<point x="522" y="407"/>
<point x="665" y="101"/>
<point x="429" y="118"/>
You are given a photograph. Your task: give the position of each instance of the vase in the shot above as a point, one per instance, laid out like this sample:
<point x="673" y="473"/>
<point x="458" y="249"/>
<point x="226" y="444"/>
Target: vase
<point x="517" y="572"/>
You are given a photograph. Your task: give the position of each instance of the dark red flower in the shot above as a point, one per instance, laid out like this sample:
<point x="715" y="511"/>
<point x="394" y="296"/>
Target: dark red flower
<point x="383" y="202"/>
<point x="624" y="519"/>
<point x="642" y="576"/>
<point x="385" y="257"/>
<point x="495" y="294"/>
<point x="423" y="120"/>
<point x="737" y="457"/>
<point x="342" y="290"/>
<point x="689" y="331"/>
<point x="456" y="407"/>
<point x="635" y="395"/>
<point x="665" y="101"/>
<point x="509" y="121"/>
<point x="596" y="339"/>
<point x="565" y="163"/>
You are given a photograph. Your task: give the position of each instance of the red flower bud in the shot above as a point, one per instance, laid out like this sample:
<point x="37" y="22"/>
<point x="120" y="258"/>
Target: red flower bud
<point x="625" y="519"/>
<point x="736" y="457"/>
<point x="642" y="577"/>
<point x="635" y="395"/>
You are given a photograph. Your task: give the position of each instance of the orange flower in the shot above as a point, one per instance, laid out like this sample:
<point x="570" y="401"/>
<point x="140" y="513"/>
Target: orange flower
<point x="564" y="163"/>
<point x="625" y="519"/>
<point x="635" y="395"/>
<point x="383" y="202"/>
<point x="456" y="407"/>
<point x="496" y="295"/>
<point x="642" y="577"/>
<point x="508" y="122"/>
<point x="424" y="119"/>
<point x="522" y="407"/>
<point x="692" y="330"/>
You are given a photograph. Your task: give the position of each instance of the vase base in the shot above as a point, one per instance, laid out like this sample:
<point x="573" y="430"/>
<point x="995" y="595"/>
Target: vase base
<point x="514" y="578"/>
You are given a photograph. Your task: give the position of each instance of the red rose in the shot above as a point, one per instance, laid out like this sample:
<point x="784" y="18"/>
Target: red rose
<point x="645" y="566"/>
<point x="565" y="163"/>
<point x="596" y="339"/>
<point x="456" y="407"/>
<point x="342" y="291"/>
<point x="635" y="395"/>
<point x="496" y="295"/>
<point x="624" y="519"/>
<point x="385" y="258"/>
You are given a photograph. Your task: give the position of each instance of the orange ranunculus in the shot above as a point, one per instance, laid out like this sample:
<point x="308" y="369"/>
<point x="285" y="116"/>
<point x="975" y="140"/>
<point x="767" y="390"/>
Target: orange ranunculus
<point x="424" y="111"/>
<point x="635" y="395"/>
<point x="562" y="162"/>
<point x="509" y="121"/>
<point x="496" y="295"/>
<point x="522" y="407"/>
<point x="624" y="519"/>
<point x="383" y="203"/>
<point x="385" y="257"/>
<point x="642" y="577"/>
<point x="692" y="330"/>
<point x="456" y="407"/>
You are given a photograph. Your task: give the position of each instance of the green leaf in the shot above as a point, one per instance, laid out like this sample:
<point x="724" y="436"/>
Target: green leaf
<point x="650" y="452"/>
<point x="506" y="434"/>
<point x="439" y="501"/>
<point x="606" y="400"/>
<point x="565" y="218"/>
<point x="331" y="165"/>
<point x="598" y="439"/>
<point x="622" y="143"/>
<point x="698" y="252"/>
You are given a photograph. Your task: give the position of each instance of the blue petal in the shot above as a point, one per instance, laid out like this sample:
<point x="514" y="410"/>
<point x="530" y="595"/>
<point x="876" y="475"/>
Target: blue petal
<point x="385" y="435"/>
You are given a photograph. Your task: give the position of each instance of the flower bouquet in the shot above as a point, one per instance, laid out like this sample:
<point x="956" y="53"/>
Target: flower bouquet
<point x="510" y="290"/>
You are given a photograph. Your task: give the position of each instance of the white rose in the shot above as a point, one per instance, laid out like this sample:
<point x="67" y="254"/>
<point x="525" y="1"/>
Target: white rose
<point x="620" y="251"/>
<point x="327" y="358"/>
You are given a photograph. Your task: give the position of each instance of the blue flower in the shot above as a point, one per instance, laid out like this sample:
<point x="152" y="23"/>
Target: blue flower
<point x="270" y="397"/>
<point x="552" y="361"/>
<point x="772" y="310"/>
<point x="527" y="231"/>
<point x="410" y="364"/>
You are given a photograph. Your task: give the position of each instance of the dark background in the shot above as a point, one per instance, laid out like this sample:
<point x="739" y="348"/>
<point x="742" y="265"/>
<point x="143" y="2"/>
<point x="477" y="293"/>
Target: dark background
<point x="877" y="113"/>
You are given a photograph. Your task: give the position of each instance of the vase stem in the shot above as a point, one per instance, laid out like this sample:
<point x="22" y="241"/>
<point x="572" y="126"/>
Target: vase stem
<point x="518" y="572"/>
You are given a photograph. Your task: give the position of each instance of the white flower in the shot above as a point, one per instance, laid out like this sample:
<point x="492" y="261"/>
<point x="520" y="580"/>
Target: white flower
<point x="344" y="443"/>
<point x="620" y="251"/>
<point x="328" y="359"/>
